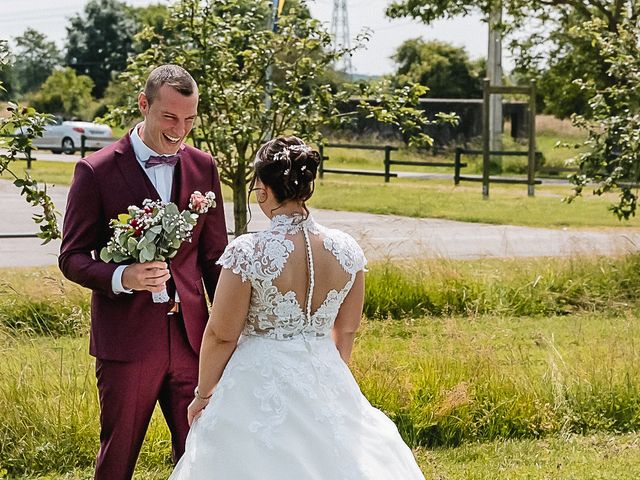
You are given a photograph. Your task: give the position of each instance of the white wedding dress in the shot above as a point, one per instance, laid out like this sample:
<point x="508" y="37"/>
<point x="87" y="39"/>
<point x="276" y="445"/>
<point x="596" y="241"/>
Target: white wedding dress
<point x="287" y="406"/>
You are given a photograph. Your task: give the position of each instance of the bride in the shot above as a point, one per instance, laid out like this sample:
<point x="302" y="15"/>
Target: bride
<point x="275" y="397"/>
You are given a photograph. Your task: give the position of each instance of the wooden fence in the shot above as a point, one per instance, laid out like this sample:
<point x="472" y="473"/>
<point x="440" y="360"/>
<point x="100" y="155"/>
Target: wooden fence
<point x="457" y="178"/>
<point x="387" y="161"/>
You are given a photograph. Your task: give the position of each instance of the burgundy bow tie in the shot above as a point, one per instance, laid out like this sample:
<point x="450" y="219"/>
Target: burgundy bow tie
<point x="154" y="161"/>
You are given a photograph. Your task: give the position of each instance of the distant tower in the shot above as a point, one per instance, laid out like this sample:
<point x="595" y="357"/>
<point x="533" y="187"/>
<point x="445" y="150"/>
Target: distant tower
<point x="340" y="34"/>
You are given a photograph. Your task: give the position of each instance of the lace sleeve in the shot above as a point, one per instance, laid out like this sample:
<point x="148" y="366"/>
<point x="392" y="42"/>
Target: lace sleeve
<point x="237" y="256"/>
<point x="346" y="250"/>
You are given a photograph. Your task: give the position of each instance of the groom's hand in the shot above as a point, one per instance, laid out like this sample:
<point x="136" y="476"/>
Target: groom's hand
<point x="150" y="276"/>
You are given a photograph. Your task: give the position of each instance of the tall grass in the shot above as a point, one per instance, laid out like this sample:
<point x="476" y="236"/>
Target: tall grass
<point x="445" y="382"/>
<point x="49" y="408"/>
<point x="502" y="287"/>
<point x="415" y="288"/>
<point x="41" y="302"/>
<point x="449" y="380"/>
<point x="453" y="352"/>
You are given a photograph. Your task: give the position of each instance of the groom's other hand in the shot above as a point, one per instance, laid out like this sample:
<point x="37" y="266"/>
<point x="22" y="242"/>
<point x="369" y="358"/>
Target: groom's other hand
<point x="150" y="276"/>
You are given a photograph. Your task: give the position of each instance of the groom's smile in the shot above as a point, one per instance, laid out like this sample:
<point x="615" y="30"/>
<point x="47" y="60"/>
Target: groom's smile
<point x="168" y="119"/>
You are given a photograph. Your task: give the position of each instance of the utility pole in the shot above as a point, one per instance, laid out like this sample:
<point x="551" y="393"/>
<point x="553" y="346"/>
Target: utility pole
<point x="340" y="34"/>
<point x="494" y="74"/>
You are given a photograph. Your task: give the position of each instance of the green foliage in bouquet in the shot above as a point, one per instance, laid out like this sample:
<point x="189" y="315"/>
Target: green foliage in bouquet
<point x="154" y="232"/>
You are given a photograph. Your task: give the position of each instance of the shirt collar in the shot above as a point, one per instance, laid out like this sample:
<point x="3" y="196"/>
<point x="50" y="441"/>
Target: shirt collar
<point x="140" y="149"/>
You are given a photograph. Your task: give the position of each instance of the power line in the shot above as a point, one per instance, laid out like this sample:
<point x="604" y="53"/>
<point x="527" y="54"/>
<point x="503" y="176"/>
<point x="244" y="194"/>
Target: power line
<point x="37" y="16"/>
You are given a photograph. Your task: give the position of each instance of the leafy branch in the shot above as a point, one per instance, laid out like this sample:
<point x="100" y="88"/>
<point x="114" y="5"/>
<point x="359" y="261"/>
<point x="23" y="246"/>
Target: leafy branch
<point x="29" y="124"/>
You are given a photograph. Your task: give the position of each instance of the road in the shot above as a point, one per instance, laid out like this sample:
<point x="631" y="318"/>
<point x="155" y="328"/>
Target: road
<point x="382" y="236"/>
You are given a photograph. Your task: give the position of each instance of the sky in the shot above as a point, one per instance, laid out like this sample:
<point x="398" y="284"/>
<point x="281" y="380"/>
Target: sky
<point x="51" y="17"/>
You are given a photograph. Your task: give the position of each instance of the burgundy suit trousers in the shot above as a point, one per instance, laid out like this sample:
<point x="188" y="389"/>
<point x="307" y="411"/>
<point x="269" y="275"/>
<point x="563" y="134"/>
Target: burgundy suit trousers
<point x="128" y="395"/>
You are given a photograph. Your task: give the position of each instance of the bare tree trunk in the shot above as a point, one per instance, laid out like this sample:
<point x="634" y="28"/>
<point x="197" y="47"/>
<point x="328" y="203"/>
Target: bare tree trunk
<point x="240" y="198"/>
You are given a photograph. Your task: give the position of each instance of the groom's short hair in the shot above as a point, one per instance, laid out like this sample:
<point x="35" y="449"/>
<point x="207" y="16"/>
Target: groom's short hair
<point x="173" y="75"/>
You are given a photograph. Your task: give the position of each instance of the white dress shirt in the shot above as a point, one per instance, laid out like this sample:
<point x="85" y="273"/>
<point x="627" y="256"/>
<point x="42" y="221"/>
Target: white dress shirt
<point x="161" y="177"/>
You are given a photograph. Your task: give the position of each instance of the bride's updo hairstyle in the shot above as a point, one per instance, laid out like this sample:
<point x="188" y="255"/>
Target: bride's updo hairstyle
<point x="288" y="167"/>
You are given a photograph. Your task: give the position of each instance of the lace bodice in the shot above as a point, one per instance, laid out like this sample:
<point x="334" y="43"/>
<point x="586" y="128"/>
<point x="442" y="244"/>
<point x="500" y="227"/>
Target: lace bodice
<point x="260" y="258"/>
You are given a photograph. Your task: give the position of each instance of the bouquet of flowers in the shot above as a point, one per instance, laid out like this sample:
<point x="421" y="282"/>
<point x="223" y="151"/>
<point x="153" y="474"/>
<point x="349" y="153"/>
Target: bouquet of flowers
<point x="154" y="232"/>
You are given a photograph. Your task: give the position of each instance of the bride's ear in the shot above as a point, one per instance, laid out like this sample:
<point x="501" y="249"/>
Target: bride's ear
<point x="267" y="192"/>
<point x="263" y="193"/>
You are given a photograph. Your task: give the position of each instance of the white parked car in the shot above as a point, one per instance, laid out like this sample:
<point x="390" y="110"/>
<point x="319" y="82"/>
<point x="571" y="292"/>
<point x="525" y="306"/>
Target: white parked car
<point x="66" y="136"/>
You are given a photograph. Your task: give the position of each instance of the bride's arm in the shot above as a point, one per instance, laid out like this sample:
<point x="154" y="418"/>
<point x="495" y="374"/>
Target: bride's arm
<point x="348" y="319"/>
<point x="227" y="319"/>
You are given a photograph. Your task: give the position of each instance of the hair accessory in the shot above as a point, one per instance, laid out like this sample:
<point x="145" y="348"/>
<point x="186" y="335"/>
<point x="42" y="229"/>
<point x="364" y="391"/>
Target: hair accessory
<point x="282" y="155"/>
<point x="300" y="148"/>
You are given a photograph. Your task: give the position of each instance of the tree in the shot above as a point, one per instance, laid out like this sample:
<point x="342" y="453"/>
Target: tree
<point x="612" y="162"/>
<point x="100" y="41"/>
<point x="552" y="53"/>
<point x="35" y="59"/>
<point x="7" y="81"/>
<point x="64" y="93"/>
<point x="255" y="83"/>
<point x="30" y="124"/>
<point x="443" y="68"/>
<point x="151" y="16"/>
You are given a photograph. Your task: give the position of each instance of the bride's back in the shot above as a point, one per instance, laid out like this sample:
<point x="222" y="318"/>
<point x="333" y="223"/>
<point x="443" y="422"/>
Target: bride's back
<point x="300" y="273"/>
<point x="324" y="269"/>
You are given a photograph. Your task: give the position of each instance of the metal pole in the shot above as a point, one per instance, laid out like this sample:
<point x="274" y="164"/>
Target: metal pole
<point x="494" y="73"/>
<point x="321" y="166"/>
<point x="532" y="139"/>
<point x="82" y="145"/>
<point x="485" y="139"/>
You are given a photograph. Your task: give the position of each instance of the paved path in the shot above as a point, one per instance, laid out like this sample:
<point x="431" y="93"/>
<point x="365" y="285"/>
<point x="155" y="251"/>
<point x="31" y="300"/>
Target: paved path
<point x="382" y="236"/>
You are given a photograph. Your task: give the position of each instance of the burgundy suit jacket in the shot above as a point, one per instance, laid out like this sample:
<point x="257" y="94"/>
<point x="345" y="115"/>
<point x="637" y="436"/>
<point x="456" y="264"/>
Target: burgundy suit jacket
<point x="127" y="327"/>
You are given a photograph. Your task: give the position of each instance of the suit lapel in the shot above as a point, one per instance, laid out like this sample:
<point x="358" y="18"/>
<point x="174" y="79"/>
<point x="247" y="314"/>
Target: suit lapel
<point x="139" y="184"/>
<point x="183" y="184"/>
<point x="175" y="184"/>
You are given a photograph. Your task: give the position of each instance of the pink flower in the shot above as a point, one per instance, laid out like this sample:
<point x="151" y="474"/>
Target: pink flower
<point x="199" y="203"/>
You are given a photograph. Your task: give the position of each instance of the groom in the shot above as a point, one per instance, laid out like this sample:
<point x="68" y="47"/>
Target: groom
<point x="145" y="352"/>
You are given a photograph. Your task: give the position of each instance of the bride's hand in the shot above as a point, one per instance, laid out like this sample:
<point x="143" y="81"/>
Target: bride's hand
<point x="195" y="409"/>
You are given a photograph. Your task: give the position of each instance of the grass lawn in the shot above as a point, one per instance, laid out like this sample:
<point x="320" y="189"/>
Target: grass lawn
<point x="600" y="456"/>
<point x="508" y="204"/>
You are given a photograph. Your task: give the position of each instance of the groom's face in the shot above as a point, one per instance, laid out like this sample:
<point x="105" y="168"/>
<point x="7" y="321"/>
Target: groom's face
<point x="168" y="120"/>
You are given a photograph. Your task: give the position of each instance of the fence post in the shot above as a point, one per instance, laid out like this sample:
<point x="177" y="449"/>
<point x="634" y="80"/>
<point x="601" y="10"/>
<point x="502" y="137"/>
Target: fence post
<point x="387" y="163"/>
<point x="456" y="166"/>
<point x="82" y="145"/>
<point x="28" y="152"/>
<point x="532" y="140"/>
<point x="321" y="166"/>
<point x="485" y="138"/>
